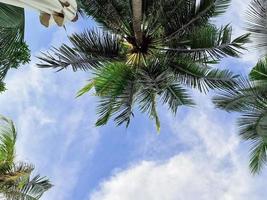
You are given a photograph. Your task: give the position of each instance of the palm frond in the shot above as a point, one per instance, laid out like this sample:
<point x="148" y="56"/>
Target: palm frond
<point x="13" y="50"/>
<point x="201" y="77"/>
<point x="175" y="96"/>
<point x="196" y="14"/>
<point x="210" y="43"/>
<point x="126" y="101"/>
<point x="258" y="155"/>
<point x="147" y="103"/>
<point x="2" y="87"/>
<point x="85" y="89"/>
<point x="253" y="127"/>
<point x="241" y="98"/>
<point x="259" y="72"/>
<point x="113" y="15"/>
<point x="111" y="84"/>
<point x="29" y="189"/>
<point x="257" y="22"/>
<point x="35" y="187"/>
<point x="8" y="135"/>
<point x="90" y="49"/>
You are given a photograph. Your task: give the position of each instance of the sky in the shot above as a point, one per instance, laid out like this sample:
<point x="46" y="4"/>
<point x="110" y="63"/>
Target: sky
<point x="197" y="154"/>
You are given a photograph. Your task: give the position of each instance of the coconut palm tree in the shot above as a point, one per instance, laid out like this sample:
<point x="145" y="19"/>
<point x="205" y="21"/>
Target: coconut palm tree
<point x="13" y="49"/>
<point x="250" y="96"/>
<point x="148" y="51"/>
<point x="16" y="181"/>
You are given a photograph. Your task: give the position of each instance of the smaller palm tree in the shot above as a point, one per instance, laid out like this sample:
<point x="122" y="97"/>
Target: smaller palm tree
<point x="250" y="99"/>
<point x="250" y="96"/>
<point x="16" y="181"/>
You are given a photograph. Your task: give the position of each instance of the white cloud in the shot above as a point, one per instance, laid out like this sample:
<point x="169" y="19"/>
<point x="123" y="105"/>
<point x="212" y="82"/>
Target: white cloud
<point x="187" y="176"/>
<point x="214" y="166"/>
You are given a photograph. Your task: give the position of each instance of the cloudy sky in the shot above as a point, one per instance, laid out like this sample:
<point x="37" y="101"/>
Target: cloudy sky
<point x="197" y="153"/>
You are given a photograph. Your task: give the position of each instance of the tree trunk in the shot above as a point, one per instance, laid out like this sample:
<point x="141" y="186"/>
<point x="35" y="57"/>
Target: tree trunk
<point x="137" y="20"/>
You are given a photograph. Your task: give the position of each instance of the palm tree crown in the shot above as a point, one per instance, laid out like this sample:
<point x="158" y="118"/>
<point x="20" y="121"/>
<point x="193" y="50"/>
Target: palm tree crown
<point x="15" y="178"/>
<point x="149" y="51"/>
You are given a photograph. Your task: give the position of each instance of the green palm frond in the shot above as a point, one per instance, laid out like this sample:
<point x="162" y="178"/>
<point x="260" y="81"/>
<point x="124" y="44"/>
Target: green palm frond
<point x="111" y="84"/>
<point x="8" y="137"/>
<point x="194" y="15"/>
<point x="147" y="104"/>
<point x="210" y="43"/>
<point x="241" y="98"/>
<point x="126" y="100"/>
<point x="202" y="77"/>
<point x="246" y="93"/>
<point x="258" y="155"/>
<point x="259" y="72"/>
<point x="11" y="16"/>
<point x="31" y="189"/>
<point x="89" y="49"/>
<point x="257" y="22"/>
<point x="111" y="15"/>
<point x="253" y="123"/>
<point x="175" y="95"/>
<point x="253" y="127"/>
<point x="13" y="49"/>
<point x="86" y="89"/>
<point x="249" y="97"/>
<point x="2" y="87"/>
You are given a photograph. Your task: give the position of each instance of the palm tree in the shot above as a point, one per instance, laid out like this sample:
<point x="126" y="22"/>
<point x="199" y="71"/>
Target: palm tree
<point x="147" y="51"/>
<point x="250" y="96"/>
<point x="13" y="49"/>
<point x="16" y="181"/>
<point x="250" y="99"/>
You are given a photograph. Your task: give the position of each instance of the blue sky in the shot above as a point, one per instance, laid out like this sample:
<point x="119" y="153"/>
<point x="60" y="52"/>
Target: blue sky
<point x="197" y="153"/>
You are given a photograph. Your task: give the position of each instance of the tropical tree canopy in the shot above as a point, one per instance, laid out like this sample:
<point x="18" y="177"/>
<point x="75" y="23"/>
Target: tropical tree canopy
<point x="149" y="51"/>
<point x="16" y="181"/>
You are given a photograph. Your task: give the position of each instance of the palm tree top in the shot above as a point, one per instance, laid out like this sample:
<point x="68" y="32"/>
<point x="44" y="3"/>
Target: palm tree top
<point x="148" y="51"/>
